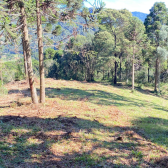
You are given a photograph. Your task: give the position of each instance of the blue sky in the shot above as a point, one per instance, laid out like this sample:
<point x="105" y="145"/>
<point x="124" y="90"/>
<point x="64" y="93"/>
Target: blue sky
<point x="131" y="5"/>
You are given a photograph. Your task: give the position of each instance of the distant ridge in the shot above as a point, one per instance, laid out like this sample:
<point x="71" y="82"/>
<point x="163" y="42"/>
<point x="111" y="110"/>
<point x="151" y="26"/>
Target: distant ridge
<point x="67" y="30"/>
<point x="140" y="15"/>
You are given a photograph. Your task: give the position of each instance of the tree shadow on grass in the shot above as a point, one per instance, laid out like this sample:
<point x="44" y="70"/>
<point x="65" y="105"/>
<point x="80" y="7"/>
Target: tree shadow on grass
<point x="141" y="90"/>
<point x="5" y="106"/>
<point x="156" y="129"/>
<point x="29" y="142"/>
<point x="95" y="96"/>
<point x="99" y="97"/>
<point x="24" y="92"/>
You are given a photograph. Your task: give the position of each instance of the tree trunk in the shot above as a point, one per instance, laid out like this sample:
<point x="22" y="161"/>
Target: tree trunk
<point x="167" y="64"/>
<point x="120" y="69"/>
<point x="126" y="73"/>
<point x="88" y="75"/>
<point x="1" y="74"/>
<point x="133" y="66"/>
<point x="159" y="75"/>
<point x="40" y="49"/>
<point x="28" y="54"/>
<point x="97" y="73"/>
<point x="85" y="74"/>
<point x="111" y="74"/>
<point x="108" y="75"/>
<point x="92" y="76"/>
<point x="25" y="61"/>
<point x="148" y="71"/>
<point x="133" y="74"/>
<point x="115" y="73"/>
<point x="115" y="69"/>
<point x="156" y="75"/>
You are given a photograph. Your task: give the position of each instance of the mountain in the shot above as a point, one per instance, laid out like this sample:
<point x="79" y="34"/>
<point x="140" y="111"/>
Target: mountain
<point x="140" y="15"/>
<point x="67" y="29"/>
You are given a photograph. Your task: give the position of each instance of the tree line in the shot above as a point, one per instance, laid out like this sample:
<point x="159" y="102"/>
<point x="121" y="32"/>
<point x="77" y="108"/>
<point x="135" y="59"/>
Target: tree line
<point x="122" y="48"/>
<point x="36" y="12"/>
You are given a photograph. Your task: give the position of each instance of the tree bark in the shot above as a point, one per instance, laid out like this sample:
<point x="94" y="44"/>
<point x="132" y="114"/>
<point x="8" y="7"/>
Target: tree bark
<point x="111" y="74"/>
<point x="159" y="75"/>
<point x="103" y="73"/>
<point x="41" y="56"/>
<point x="120" y="68"/>
<point x="115" y="69"/>
<point x="156" y="75"/>
<point x="133" y="74"/>
<point x="115" y="73"/>
<point x="126" y="73"/>
<point x="97" y="73"/>
<point x="167" y="64"/>
<point x="1" y="74"/>
<point x="133" y="66"/>
<point x="148" y="71"/>
<point x="25" y="60"/>
<point x="28" y="54"/>
<point x="85" y="74"/>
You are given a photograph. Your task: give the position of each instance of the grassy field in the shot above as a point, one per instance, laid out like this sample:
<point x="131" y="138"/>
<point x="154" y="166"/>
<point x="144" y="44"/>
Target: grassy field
<point x="83" y="125"/>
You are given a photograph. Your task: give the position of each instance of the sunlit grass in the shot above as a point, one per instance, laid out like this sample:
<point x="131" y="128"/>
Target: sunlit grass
<point x="95" y="115"/>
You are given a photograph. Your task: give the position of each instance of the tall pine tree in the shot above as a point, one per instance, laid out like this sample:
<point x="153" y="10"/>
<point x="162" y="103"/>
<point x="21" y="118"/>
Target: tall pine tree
<point x="158" y="16"/>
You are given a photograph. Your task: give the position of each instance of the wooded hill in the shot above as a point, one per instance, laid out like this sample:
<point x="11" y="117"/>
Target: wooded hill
<point x="105" y="44"/>
<point x="140" y="15"/>
<point x="10" y="51"/>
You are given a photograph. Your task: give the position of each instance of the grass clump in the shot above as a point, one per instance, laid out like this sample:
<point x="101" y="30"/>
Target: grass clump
<point x="87" y="160"/>
<point x="137" y="154"/>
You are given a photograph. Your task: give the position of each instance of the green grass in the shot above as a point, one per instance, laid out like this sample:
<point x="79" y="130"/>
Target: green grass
<point x="96" y="114"/>
<point x="146" y="110"/>
<point x="137" y="154"/>
<point x="3" y="90"/>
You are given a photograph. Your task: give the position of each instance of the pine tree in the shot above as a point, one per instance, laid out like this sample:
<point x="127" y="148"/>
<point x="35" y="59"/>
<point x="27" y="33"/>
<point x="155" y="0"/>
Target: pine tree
<point x="135" y="35"/>
<point x="158" y="16"/>
<point x="115" y="22"/>
<point x="28" y="53"/>
<point x="41" y="57"/>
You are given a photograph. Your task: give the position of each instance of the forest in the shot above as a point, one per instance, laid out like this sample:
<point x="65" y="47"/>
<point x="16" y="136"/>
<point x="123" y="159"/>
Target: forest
<point x="105" y="44"/>
<point x="82" y="87"/>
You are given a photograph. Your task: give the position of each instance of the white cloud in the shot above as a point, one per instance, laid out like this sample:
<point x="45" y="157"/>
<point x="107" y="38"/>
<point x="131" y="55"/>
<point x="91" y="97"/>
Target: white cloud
<point x="132" y="5"/>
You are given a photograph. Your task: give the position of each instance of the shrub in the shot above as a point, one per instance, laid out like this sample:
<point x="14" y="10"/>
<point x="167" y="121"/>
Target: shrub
<point x="3" y="91"/>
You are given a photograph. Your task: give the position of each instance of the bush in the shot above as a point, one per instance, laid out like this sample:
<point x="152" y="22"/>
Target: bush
<point x="164" y="89"/>
<point x="140" y="85"/>
<point x="19" y="75"/>
<point x="3" y="91"/>
<point x="141" y="77"/>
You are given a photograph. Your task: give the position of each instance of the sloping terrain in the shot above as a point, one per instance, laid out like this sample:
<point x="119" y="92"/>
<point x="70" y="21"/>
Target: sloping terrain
<point x="83" y="125"/>
<point x="140" y="15"/>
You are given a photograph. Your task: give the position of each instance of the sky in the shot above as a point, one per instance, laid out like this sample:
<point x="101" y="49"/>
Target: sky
<point x="132" y="5"/>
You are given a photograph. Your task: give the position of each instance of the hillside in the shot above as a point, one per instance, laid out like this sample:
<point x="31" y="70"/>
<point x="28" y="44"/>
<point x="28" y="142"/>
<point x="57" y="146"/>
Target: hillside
<point x="16" y="51"/>
<point x="140" y="15"/>
<point x="50" y="40"/>
<point x="83" y="125"/>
